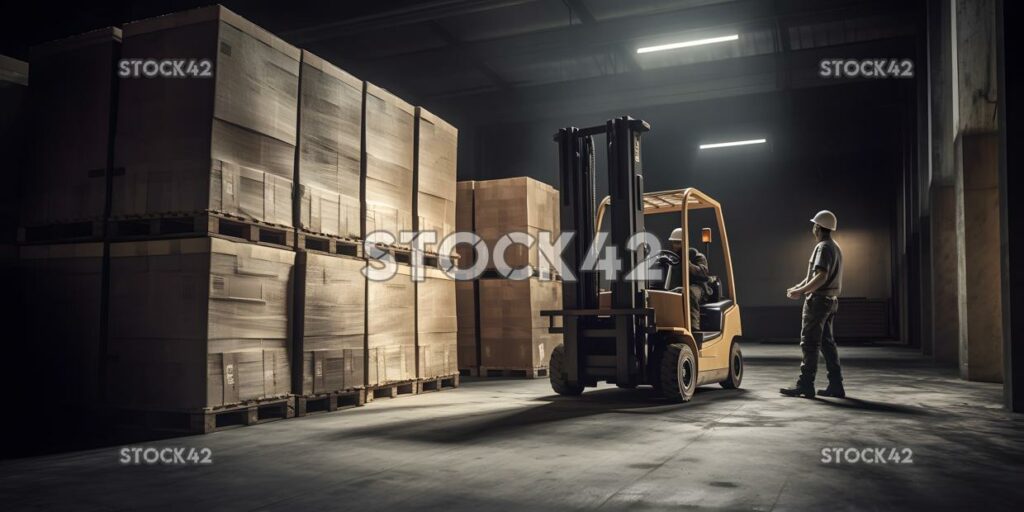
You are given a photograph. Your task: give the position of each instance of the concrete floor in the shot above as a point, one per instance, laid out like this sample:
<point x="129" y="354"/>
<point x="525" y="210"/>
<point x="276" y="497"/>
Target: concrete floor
<point x="513" y="445"/>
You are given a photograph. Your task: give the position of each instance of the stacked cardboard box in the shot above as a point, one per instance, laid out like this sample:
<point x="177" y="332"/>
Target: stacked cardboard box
<point x="330" y="145"/>
<point x="224" y="143"/>
<point x="436" y="325"/>
<point x="466" y="291"/>
<point x="515" y="205"/>
<point x="198" y="323"/>
<point x="388" y="159"/>
<point x="391" y="328"/>
<point x="72" y="94"/>
<point x="510" y="334"/>
<point x="333" y="323"/>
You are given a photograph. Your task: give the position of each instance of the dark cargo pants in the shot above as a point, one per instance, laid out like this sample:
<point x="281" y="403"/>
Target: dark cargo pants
<point x="816" y="335"/>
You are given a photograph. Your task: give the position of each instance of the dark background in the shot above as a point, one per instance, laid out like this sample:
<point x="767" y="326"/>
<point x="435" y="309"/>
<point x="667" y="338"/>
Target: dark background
<point x="509" y="73"/>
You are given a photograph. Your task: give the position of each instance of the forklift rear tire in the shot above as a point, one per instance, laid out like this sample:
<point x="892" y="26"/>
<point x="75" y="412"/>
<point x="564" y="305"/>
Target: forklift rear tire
<point x="735" y="367"/>
<point x="558" y="376"/>
<point x="678" y="373"/>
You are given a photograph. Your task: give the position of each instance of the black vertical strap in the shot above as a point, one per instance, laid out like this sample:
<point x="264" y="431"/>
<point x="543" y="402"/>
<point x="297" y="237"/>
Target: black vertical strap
<point x="476" y="292"/>
<point x="296" y="171"/>
<point x="415" y="227"/>
<point x="298" y="302"/>
<point x="108" y="185"/>
<point x="362" y="233"/>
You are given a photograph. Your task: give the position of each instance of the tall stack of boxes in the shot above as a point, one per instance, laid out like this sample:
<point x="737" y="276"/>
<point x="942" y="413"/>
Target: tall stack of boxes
<point x="191" y="248"/>
<point x="513" y="337"/>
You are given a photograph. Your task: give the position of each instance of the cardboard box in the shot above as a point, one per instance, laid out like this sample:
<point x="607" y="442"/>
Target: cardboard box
<point x="437" y="152"/>
<point x="61" y="287"/>
<point x="513" y="335"/>
<point x="391" y="329"/>
<point x="389" y="162"/>
<point x="71" y="99"/>
<point x="515" y="205"/>
<point x="468" y="340"/>
<point x="464" y="199"/>
<point x="333" y="299"/>
<point x="224" y="143"/>
<point x="330" y="149"/>
<point x="436" y="325"/>
<point x="198" y="323"/>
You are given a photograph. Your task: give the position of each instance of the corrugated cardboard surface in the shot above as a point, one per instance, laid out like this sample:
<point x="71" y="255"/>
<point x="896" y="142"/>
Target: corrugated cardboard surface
<point x="199" y="322"/>
<point x="60" y="287"/>
<point x="334" y="326"/>
<point x="436" y="325"/>
<point x="330" y="149"/>
<point x="515" y="205"/>
<point x="391" y="328"/>
<point x="389" y="160"/>
<point x="464" y="220"/>
<point x="72" y="91"/>
<point x="436" y="195"/>
<point x="512" y="332"/>
<point x="466" y="308"/>
<point x="225" y="143"/>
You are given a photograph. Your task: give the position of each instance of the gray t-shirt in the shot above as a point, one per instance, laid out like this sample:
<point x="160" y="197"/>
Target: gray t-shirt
<point x="828" y="257"/>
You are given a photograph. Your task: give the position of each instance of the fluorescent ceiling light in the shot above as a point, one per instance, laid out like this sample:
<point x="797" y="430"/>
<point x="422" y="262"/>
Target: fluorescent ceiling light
<point x="686" y="44"/>
<point x="733" y="143"/>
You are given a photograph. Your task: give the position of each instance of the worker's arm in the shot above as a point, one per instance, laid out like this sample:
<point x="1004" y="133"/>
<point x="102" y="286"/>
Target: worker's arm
<point x="810" y="286"/>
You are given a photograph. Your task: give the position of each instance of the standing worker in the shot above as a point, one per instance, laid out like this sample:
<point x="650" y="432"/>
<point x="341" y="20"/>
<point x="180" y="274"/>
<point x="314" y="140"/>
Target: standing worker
<point x="821" y="287"/>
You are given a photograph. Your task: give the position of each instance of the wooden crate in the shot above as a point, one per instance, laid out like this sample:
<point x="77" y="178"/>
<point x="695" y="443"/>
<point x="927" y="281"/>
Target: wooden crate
<point x="436" y="326"/>
<point x="72" y="95"/>
<point x="436" y="156"/>
<point x="198" y="323"/>
<point x="223" y="144"/>
<point x="330" y="149"/>
<point x="468" y="339"/>
<point x="388" y="159"/>
<point x="513" y="335"/>
<point x="60" y="290"/>
<point x="391" y="329"/>
<point x="515" y="205"/>
<point x="330" y="319"/>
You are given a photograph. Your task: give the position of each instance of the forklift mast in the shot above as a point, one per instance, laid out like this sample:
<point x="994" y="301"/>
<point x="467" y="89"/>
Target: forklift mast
<point x="624" y="328"/>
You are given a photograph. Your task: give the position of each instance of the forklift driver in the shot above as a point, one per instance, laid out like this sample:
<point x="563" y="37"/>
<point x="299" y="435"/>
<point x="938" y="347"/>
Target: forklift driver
<point x="700" y="278"/>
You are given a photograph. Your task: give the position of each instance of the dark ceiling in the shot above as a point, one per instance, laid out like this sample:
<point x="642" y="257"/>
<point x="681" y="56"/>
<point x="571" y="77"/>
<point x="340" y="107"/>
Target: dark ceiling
<point x="466" y="51"/>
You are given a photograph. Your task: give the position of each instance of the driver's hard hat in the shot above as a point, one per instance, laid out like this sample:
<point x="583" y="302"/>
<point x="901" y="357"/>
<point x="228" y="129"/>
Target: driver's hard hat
<point x="825" y="219"/>
<point x="676" y="236"/>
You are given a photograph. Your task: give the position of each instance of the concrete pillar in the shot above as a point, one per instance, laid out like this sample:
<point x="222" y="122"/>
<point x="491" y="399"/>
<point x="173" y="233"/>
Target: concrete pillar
<point x="977" y="152"/>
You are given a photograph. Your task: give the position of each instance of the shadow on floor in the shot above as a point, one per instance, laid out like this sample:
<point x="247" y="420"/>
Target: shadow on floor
<point x="873" y="406"/>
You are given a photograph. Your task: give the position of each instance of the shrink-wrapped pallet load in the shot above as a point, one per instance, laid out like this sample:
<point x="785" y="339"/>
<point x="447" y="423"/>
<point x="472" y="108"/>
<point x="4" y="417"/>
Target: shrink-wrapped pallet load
<point x="515" y="205"/>
<point x="330" y="124"/>
<point x="72" y="93"/>
<point x="513" y="335"/>
<point x="197" y="324"/>
<point x="223" y="142"/>
<point x="333" y="319"/>
<point x="436" y="325"/>
<point x="388" y="158"/>
<point x="391" y="329"/>
<point x="437" y="151"/>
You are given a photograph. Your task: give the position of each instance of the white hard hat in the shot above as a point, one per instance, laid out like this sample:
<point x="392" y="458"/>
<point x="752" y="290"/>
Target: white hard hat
<point x="676" y="236"/>
<point x="825" y="219"/>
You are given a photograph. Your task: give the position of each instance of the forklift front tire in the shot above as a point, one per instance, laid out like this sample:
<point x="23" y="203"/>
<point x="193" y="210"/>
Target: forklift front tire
<point x="678" y="373"/>
<point x="558" y="376"/>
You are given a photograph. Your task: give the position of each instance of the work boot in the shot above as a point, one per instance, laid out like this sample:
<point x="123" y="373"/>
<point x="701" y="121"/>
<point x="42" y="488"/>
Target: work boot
<point x="800" y="389"/>
<point x="834" y="390"/>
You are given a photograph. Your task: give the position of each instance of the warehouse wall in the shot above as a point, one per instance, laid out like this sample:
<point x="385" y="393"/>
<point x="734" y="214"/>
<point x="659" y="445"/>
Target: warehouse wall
<point x="835" y="147"/>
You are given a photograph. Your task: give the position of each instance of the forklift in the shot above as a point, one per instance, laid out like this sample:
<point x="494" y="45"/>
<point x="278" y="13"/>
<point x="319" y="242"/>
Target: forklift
<point x="636" y="332"/>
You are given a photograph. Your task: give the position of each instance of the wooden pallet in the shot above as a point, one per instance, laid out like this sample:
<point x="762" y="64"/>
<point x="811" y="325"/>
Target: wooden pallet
<point x="327" y="402"/>
<point x="472" y="371"/>
<point x="206" y="420"/>
<point x="437" y="383"/>
<point x="182" y="225"/>
<point x="79" y="231"/>
<point x="328" y="244"/>
<point x="392" y="390"/>
<point x="522" y="373"/>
